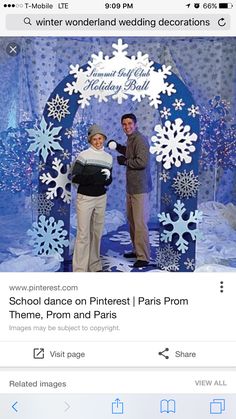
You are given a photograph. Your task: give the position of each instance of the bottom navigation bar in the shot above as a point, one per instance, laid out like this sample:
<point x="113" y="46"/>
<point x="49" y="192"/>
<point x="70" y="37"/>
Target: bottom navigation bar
<point x="138" y="406"/>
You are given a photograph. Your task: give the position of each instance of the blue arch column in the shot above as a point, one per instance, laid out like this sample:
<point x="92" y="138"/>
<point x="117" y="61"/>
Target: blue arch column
<point x="61" y="209"/>
<point x="171" y="195"/>
<point x="179" y="185"/>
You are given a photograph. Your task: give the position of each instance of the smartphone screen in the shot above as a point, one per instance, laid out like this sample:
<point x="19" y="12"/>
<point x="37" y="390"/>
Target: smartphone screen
<point x="117" y="210"/>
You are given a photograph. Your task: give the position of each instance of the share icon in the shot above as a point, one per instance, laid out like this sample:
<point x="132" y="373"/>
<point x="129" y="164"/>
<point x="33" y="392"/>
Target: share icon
<point x="162" y="353"/>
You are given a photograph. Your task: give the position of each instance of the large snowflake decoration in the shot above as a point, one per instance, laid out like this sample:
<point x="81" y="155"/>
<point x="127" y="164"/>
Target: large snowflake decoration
<point x="58" y="108"/>
<point x="168" y="258"/>
<point x="48" y="237"/>
<point x="62" y="181"/>
<point x="44" y="139"/>
<point x="120" y="77"/>
<point x="186" y="184"/>
<point x="42" y="204"/>
<point x="113" y="261"/>
<point x="180" y="226"/>
<point x="173" y="143"/>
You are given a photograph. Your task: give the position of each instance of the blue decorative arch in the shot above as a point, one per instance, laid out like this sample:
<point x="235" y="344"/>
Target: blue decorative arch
<point x="178" y="206"/>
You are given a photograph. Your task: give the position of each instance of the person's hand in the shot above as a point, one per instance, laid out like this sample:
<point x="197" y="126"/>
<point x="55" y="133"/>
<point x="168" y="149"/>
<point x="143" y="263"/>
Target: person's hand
<point x="121" y="160"/>
<point x="112" y="145"/>
<point x="106" y="172"/>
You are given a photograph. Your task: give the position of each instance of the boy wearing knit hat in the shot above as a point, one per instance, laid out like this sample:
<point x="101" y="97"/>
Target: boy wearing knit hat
<point x="92" y="171"/>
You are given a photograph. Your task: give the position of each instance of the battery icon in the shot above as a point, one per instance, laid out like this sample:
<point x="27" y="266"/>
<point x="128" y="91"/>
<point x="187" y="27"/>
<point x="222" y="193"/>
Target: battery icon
<point x="225" y="5"/>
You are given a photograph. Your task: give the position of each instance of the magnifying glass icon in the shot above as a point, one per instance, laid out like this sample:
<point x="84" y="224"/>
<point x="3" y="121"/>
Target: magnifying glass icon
<point x="27" y="21"/>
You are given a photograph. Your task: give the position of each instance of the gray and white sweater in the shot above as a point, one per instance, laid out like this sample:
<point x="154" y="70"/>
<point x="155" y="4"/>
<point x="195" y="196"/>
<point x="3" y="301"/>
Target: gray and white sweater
<point x="87" y="172"/>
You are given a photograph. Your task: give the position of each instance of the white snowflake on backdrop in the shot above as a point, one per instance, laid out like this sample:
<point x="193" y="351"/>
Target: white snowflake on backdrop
<point x="193" y="111"/>
<point x="58" y="108"/>
<point x="190" y="264"/>
<point x="180" y="226"/>
<point x="48" y="236"/>
<point x="42" y="204"/>
<point x="121" y="78"/>
<point x="178" y="104"/>
<point x="165" y="112"/>
<point x="41" y="166"/>
<point x="168" y="258"/>
<point x="164" y="176"/>
<point x="166" y="199"/>
<point x="63" y="211"/>
<point x="62" y="181"/>
<point x="70" y="132"/>
<point x="186" y="184"/>
<point x="173" y="143"/>
<point x="115" y="260"/>
<point x="65" y="155"/>
<point x="44" y="139"/>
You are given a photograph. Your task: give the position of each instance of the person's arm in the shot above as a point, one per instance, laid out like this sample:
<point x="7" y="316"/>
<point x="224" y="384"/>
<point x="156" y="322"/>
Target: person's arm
<point x="114" y="145"/>
<point x="121" y="149"/>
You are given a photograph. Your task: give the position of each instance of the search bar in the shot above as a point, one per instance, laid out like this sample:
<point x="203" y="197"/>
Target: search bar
<point x="118" y="22"/>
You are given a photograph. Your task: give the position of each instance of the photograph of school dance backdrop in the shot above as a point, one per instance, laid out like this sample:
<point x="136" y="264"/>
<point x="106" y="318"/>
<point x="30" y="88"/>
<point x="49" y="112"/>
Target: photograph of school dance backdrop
<point x="118" y="155"/>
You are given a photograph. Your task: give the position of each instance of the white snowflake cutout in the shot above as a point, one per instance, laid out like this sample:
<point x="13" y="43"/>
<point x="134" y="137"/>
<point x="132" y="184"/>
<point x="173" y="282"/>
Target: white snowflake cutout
<point x="62" y="181"/>
<point x="180" y="226"/>
<point x="42" y="204"/>
<point x="178" y="104"/>
<point x="44" y="139"/>
<point x="48" y="237"/>
<point x="115" y="260"/>
<point x="190" y="264"/>
<point x="168" y="258"/>
<point x="164" y="176"/>
<point x="173" y="143"/>
<point x="58" y="108"/>
<point x="186" y="184"/>
<point x="193" y="111"/>
<point x="123" y="77"/>
<point x="165" y="112"/>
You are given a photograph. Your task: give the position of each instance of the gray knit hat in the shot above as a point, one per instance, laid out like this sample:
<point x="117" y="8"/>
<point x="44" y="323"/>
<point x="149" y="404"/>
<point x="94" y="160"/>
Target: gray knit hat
<point x="93" y="130"/>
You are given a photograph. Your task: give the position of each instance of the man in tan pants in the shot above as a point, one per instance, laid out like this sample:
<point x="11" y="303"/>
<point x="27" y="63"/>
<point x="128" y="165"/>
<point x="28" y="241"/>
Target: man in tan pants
<point x="135" y="156"/>
<point x="137" y="206"/>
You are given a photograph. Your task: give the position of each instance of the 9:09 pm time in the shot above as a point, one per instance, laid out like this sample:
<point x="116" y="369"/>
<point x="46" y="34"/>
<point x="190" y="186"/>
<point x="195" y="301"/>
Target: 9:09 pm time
<point x="119" y="5"/>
